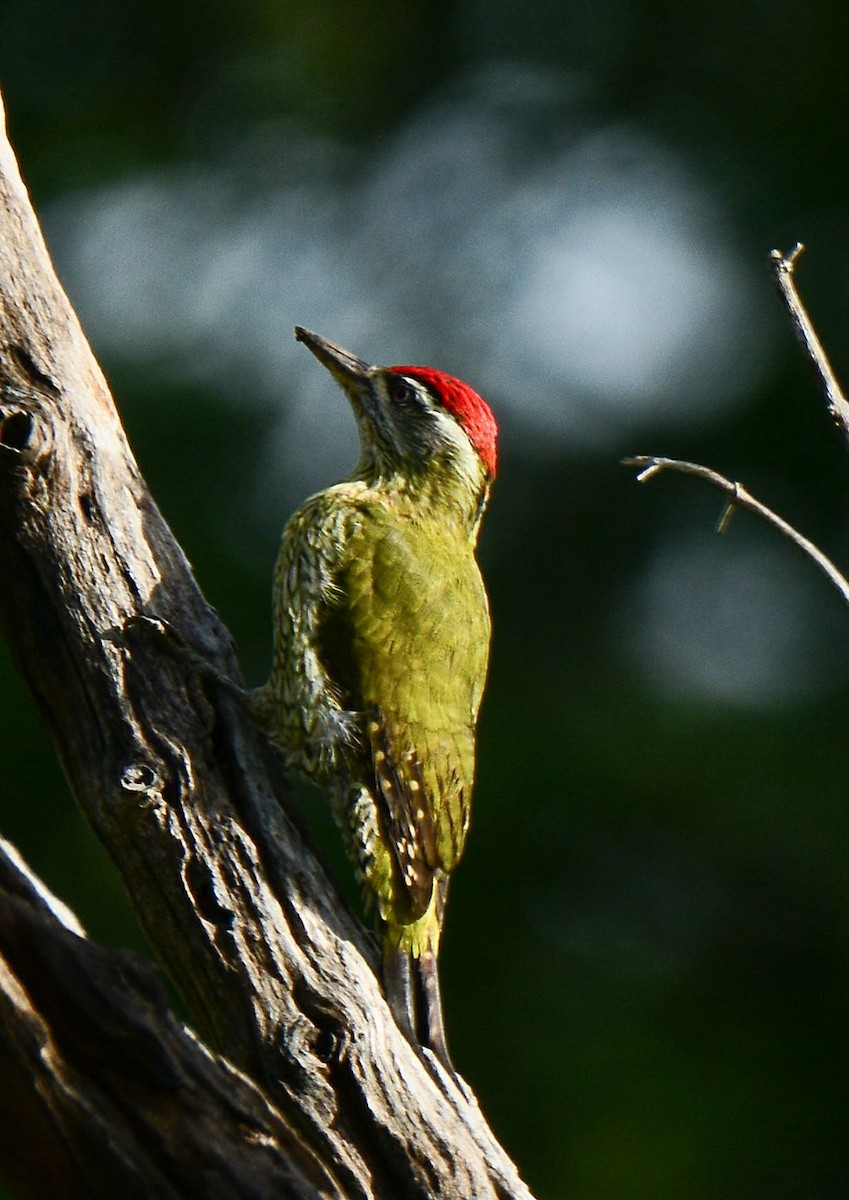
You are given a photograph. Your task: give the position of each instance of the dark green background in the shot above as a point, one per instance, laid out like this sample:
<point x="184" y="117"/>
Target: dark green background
<point x="646" y="958"/>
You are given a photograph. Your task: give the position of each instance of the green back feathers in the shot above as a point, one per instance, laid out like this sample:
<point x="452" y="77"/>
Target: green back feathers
<point x="406" y="637"/>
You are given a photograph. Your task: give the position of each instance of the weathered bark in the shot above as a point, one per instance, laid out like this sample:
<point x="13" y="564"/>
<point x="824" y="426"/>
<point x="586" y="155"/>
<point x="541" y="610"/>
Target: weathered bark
<point x="187" y="795"/>
<point x="104" y="1094"/>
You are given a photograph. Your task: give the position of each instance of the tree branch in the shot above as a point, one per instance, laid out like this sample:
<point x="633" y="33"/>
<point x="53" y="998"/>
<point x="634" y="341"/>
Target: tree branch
<point x="101" y="1085"/>
<point x="185" y="792"/>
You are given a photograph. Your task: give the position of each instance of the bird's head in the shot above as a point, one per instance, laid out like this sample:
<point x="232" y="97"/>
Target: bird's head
<point x="415" y="423"/>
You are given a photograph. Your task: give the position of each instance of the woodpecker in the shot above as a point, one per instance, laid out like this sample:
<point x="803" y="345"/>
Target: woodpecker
<point x="381" y="644"/>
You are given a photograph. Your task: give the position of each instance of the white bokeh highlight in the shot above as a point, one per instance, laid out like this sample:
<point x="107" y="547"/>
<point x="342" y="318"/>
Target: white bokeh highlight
<point x="584" y="279"/>
<point x="731" y="620"/>
<point x="586" y="288"/>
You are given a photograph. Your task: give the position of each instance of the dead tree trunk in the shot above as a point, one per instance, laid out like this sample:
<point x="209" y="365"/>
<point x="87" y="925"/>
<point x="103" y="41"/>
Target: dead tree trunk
<point x="307" y="1088"/>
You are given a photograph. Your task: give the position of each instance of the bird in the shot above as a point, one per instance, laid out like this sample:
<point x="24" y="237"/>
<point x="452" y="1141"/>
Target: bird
<point x="380" y="656"/>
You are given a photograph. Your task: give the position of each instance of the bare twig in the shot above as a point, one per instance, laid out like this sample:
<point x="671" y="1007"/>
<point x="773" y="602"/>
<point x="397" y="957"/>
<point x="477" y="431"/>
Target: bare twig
<point x="782" y="267"/>
<point x="739" y="497"/>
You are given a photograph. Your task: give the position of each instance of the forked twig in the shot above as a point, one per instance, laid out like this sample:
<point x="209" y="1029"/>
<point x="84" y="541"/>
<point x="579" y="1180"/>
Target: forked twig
<point x="782" y="267"/>
<point x="740" y="497"/>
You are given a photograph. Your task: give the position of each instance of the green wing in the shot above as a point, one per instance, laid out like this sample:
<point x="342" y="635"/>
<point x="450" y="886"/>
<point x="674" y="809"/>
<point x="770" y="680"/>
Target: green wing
<point x="406" y="643"/>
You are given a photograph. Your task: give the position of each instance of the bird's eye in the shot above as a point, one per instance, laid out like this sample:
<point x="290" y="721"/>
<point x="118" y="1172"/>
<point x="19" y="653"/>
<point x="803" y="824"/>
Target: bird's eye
<point x="402" y="393"/>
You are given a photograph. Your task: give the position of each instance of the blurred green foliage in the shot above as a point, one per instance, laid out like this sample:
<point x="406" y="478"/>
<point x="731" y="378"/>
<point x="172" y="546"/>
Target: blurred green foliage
<point x="646" y="962"/>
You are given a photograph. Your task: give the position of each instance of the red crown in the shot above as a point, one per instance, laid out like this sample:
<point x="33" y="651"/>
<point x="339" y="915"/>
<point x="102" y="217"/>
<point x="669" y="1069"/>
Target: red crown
<point x="463" y="402"/>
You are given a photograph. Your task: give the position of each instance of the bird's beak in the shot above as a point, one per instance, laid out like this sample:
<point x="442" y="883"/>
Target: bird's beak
<point x="345" y="367"/>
